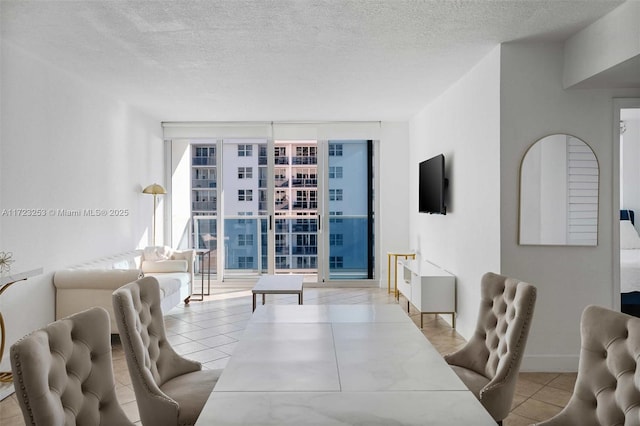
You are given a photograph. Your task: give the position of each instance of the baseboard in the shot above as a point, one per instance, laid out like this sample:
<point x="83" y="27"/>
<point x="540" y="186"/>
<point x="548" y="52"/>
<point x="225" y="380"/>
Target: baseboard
<point x="249" y="284"/>
<point x="550" y="363"/>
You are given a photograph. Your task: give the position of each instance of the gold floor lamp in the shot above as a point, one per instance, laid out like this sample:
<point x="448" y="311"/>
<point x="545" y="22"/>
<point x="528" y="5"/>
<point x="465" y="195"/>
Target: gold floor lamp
<point x="155" y="190"/>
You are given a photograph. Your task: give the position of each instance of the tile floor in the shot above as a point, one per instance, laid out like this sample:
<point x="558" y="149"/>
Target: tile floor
<point x="208" y="331"/>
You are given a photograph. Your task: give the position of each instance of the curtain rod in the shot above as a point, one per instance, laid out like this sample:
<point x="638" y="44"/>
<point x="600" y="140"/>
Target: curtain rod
<point x="256" y="123"/>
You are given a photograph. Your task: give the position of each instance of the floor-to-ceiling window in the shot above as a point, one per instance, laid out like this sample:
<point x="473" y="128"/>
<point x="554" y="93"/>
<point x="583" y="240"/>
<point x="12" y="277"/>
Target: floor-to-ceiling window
<point x="350" y="193"/>
<point x="263" y="205"/>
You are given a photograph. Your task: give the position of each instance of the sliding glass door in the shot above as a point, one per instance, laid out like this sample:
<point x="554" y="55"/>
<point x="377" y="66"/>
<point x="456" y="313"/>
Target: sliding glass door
<point x="283" y="206"/>
<point x="350" y="209"/>
<point x="296" y="207"/>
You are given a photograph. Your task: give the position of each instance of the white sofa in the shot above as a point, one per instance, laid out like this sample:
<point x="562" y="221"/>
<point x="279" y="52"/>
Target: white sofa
<point x="92" y="284"/>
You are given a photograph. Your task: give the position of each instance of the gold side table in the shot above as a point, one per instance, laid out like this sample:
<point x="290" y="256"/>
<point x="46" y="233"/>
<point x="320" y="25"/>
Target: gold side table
<point x="395" y="256"/>
<point x="202" y="254"/>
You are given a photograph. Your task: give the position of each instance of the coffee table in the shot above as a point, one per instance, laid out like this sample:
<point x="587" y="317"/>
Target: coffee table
<point x="278" y="284"/>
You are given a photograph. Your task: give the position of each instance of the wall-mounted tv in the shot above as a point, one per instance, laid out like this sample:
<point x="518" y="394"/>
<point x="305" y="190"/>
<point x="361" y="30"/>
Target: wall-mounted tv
<point x="432" y="186"/>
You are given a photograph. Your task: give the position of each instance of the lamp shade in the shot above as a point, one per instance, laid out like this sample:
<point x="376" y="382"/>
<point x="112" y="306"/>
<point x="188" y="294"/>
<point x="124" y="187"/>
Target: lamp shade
<point x="154" y="189"/>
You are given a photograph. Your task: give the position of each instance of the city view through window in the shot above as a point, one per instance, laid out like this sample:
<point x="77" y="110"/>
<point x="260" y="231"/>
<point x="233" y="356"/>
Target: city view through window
<point x="320" y="217"/>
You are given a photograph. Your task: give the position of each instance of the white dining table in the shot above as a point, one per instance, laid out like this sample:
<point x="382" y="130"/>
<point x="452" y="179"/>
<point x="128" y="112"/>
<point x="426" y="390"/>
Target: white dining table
<point x="338" y="365"/>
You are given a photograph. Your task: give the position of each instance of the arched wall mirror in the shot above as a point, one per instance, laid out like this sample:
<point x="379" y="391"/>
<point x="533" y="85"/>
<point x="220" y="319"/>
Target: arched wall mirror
<point x="559" y="193"/>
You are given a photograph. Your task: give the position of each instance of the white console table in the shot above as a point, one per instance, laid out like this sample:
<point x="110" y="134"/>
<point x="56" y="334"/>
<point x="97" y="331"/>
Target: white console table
<point x="430" y="289"/>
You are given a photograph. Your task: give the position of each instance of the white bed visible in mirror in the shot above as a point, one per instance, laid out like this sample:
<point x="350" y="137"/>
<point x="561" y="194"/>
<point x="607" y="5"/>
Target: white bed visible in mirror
<point x="628" y="114"/>
<point x="629" y="264"/>
<point x="629" y="257"/>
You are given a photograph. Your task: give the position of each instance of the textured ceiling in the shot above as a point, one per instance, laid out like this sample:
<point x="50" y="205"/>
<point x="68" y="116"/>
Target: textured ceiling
<point x="285" y="59"/>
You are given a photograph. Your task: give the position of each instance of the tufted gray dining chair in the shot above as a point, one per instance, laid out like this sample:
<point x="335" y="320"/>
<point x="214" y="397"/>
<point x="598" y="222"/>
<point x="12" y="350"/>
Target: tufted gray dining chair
<point x="489" y="363"/>
<point x="170" y="390"/>
<point x="607" y="390"/>
<point x="63" y="373"/>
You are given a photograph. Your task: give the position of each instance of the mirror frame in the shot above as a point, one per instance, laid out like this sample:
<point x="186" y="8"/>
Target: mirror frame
<point x="519" y="219"/>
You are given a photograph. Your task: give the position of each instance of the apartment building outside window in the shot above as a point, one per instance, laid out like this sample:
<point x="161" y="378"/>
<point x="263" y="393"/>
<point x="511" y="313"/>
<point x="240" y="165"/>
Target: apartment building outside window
<point x="245" y="150"/>
<point x="245" y="262"/>
<point x="336" y="262"/>
<point x="281" y="155"/>
<point x="245" y="172"/>
<point x="335" y="172"/>
<point x="335" y="150"/>
<point x="336" y="239"/>
<point x="245" y="195"/>
<point x="335" y="195"/>
<point x="333" y="217"/>
<point x="297" y="198"/>
<point x="204" y="156"/>
<point x="306" y="155"/>
<point x="245" y="239"/>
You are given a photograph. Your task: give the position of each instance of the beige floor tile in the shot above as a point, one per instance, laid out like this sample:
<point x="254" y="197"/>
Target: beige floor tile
<point x="517" y="400"/>
<point x="527" y="388"/>
<point x="565" y="381"/>
<point x="13" y="421"/>
<point x="122" y="377"/>
<point x="10" y="412"/>
<point x="536" y="410"/>
<point x="542" y="378"/>
<point x="125" y="394"/>
<point x="553" y="396"/>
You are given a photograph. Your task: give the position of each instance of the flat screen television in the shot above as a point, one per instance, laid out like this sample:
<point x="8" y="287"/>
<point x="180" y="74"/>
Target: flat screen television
<point x="432" y="186"/>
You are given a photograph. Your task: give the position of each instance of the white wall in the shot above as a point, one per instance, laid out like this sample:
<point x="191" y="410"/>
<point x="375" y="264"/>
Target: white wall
<point x="394" y="194"/>
<point x="180" y="156"/>
<point x="534" y="104"/>
<point x="65" y="145"/>
<point x="463" y="124"/>
<point x="610" y="41"/>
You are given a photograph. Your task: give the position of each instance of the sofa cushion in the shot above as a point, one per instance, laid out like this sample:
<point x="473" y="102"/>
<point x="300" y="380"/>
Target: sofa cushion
<point x="165" y="266"/>
<point x="157" y="253"/>
<point x="170" y="282"/>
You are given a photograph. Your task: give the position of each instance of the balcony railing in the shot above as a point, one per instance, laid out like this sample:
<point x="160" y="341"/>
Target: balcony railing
<point x="304" y="183"/>
<point x="282" y="205"/>
<point x="203" y="206"/>
<point x="304" y="228"/>
<point x="203" y="161"/>
<point x="304" y="160"/>
<point x="282" y="250"/>
<point x="203" y="183"/>
<point x="281" y="160"/>
<point x="305" y="205"/>
<point x="305" y="250"/>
